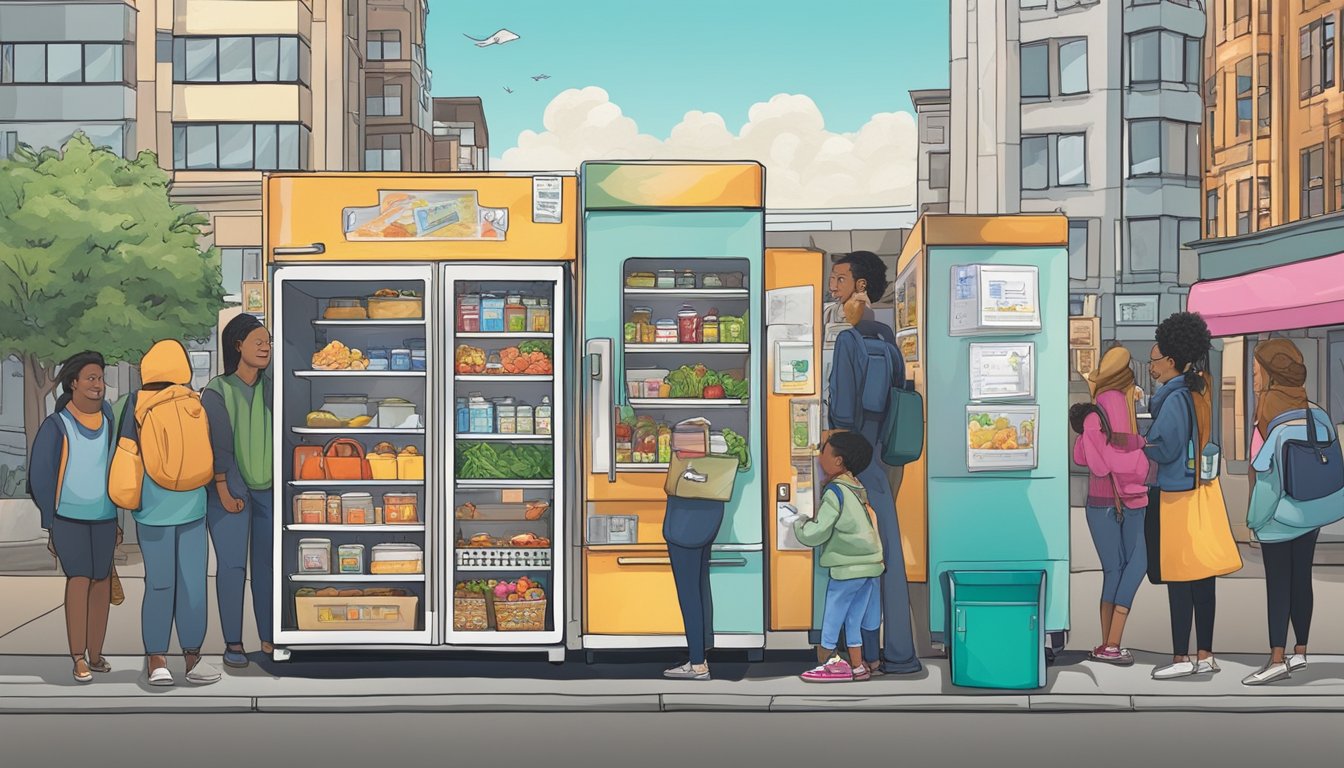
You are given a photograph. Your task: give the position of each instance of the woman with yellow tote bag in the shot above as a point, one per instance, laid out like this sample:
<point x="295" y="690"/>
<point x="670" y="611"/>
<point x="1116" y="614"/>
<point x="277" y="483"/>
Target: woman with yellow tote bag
<point x="1189" y="538"/>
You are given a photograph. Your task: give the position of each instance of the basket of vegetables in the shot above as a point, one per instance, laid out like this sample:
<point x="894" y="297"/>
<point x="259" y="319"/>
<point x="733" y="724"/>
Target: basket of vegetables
<point x="472" y="603"/>
<point x="520" y="606"/>
<point x="484" y="461"/>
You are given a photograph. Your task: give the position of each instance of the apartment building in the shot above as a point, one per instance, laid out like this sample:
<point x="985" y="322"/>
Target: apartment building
<point x="461" y="137"/>
<point x="933" y="112"/>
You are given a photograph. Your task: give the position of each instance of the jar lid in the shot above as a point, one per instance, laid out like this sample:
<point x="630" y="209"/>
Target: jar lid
<point x="401" y="351"/>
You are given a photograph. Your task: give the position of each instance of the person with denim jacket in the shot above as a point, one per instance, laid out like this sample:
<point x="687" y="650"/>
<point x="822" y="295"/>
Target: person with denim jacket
<point x="1177" y="364"/>
<point x="1281" y="413"/>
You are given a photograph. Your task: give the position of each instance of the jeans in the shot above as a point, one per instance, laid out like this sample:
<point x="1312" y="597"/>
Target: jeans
<point x="1288" y="587"/>
<point x="175" y="565"/>
<point x="1123" y="552"/>
<point x="234" y="536"/>
<point x="855" y="604"/>
<point x="1189" y="599"/>
<point x="690" y="572"/>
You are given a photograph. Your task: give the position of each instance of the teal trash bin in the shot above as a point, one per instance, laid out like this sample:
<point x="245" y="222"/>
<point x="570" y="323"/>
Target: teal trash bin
<point x="997" y="628"/>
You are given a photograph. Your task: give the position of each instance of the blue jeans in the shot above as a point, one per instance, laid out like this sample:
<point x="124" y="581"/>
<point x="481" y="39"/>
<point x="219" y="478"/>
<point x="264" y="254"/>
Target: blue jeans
<point x="1123" y="552"/>
<point x="855" y="604"/>
<point x="234" y="536"/>
<point x="175" y="565"/>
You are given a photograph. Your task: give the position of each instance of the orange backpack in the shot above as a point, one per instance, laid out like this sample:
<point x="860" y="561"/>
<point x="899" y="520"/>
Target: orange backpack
<point x="175" y="438"/>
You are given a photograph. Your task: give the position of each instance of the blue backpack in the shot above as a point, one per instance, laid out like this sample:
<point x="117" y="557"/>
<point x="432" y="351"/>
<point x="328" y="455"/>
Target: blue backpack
<point x="1313" y="468"/>
<point x="886" y="394"/>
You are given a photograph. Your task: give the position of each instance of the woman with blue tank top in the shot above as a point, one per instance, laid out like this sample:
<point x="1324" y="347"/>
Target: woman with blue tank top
<point x="68" y="482"/>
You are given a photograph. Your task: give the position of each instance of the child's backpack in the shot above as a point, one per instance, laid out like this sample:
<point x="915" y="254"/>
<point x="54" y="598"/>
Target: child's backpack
<point x="1313" y="468"/>
<point x="885" y="392"/>
<point x="175" y="438"/>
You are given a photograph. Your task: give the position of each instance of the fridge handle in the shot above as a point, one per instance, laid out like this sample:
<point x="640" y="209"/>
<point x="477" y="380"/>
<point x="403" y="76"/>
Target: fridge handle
<point x="601" y="407"/>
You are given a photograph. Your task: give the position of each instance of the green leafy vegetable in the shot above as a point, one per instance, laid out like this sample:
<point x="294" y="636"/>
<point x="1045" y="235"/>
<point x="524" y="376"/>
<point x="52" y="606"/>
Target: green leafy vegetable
<point x="733" y="387"/>
<point x="483" y="461"/>
<point x="535" y="345"/>
<point x="737" y="446"/>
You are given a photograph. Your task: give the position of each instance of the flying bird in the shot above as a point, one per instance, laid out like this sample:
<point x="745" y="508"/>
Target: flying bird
<point x="507" y="89"/>
<point x="539" y="78"/>
<point x="499" y="38"/>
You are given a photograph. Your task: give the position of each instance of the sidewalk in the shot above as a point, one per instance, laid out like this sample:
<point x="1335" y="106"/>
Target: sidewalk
<point x="42" y="684"/>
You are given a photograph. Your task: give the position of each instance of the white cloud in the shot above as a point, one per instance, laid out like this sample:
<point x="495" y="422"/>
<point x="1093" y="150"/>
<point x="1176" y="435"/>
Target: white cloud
<point x="807" y="165"/>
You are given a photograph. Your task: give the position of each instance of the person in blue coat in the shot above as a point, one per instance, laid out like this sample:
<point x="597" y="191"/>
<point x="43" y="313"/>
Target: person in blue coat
<point x="68" y="482"/>
<point x="863" y="276"/>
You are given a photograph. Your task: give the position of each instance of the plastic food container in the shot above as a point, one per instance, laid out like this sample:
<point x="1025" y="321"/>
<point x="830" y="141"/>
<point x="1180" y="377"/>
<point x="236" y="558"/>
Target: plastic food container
<point x="314" y="556"/>
<point x="667" y="278"/>
<point x="401" y="360"/>
<point x="732" y="330"/>
<point x="334" y="516"/>
<point x="310" y="508"/>
<point x="645" y="382"/>
<point x="685" y="279"/>
<point x="418" y="359"/>
<point x="345" y="309"/>
<point x="400" y="509"/>
<point x="525" y="420"/>
<point x="357" y="509"/>
<point x="492" y="314"/>
<point x="396" y="307"/>
<point x="346" y="407"/>
<point x="539" y="317"/>
<point x="380" y="359"/>
<point x="506" y="421"/>
<point x="350" y="558"/>
<point x="397" y="558"/>
<point x="410" y="466"/>
<point x="394" y="413"/>
<point x="641" y="280"/>
<point x="665" y="332"/>
<point x="469" y="314"/>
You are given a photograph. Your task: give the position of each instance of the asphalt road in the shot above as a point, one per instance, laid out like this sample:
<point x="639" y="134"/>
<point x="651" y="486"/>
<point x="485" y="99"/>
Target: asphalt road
<point x="677" y="740"/>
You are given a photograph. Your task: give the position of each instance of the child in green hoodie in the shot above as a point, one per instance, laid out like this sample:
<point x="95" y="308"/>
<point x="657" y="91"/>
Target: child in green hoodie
<point x="848" y="545"/>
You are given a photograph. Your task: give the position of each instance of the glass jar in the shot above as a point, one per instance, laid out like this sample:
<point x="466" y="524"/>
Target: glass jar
<point x="506" y="421"/>
<point x="523" y="414"/>
<point x="688" y="325"/>
<point x="541" y="420"/>
<point x="493" y="365"/>
<point x="515" y="315"/>
<point x="648" y="333"/>
<point x="664" y="444"/>
<point x="401" y="360"/>
<point x="667" y="278"/>
<point x="645" y="448"/>
<point x="665" y="332"/>
<point x="686" y="279"/>
<point x="709" y="327"/>
<point x="539" y="316"/>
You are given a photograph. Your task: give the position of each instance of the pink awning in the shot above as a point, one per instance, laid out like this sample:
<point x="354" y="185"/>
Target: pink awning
<point x="1306" y="294"/>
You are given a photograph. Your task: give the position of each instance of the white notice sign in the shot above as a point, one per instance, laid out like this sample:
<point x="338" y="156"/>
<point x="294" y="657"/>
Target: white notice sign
<point x="546" y="200"/>
<point x="1003" y="371"/>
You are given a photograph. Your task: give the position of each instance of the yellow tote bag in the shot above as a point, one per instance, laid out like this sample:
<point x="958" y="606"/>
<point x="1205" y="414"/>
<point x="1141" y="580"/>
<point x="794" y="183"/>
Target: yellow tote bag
<point x="126" y="477"/>
<point x="1196" y="537"/>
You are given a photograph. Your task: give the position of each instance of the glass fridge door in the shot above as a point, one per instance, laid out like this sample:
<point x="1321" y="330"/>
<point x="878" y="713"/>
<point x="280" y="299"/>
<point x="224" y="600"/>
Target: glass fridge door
<point x="354" y="429"/>
<point x="505" y="421"/>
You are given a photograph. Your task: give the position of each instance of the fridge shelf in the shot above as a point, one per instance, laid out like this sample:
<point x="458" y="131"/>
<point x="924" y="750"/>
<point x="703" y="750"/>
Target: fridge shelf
<point x="356" y="483"/>
<point x="361" y="374"/>
<point x="490" y="437"/>
<point x="641" y="467"/>
<point x="502" y="558"/>
<point x="503" y="377"/>
<point x="357" y="577"/>
<point x="500" y="568"/>
<point x="721" y="349"/>
<point x="356" y="528"/>
<point x="672" y="402"/>
<point x="369" y="323"/>
<point x="488" y="335"/>
<point x="489" y="485"/>
<point x="354" y="431"/>
<point x="691" y="293"/>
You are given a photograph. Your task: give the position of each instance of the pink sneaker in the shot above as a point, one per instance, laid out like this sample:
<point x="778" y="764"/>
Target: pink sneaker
<point x="1109" y="654"/>
<point x="834" y="671"/>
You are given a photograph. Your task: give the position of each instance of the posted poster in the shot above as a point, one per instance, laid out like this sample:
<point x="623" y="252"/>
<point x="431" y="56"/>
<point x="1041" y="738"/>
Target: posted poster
<point x="994" y="298"/>
<point x="908" y="343"/>
<point x="426" y="216"/>
<point x="794" y="373"/>
<point x="546" y="193"/>
<point x="1003" y="371"/>
<point x="1001" y="438"/>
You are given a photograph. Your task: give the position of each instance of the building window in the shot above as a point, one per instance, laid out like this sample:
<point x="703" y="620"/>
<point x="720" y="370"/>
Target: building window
<point x="1035" y="70"/>
<point x="1242" y="11"/>
<point x="382" y="153"/>
<point x="1313" y="182"/>
<point x="1243" y="206"/>
<point x="240" y="146"/>
<point x="238" y="265"/>
<point x="265" y="59"/>
<point x="1211" y="213"/>
<point x="1071" y="160"/>
<point x="1316" y="57"/>
<point x="1145" y="245"/>
<point x="1244" y="97"/>
<point x="1163" y="148"/>
<point x="1035" y="162"/>
<point x="383" y="100"/>
<point x="1073" y="66"/>
<point x="939" y="164"/>
<point x="1162" y="56"/>
<point x="1077" y="250"/>
<point x="1262" y="108"/>
<point x="1337" y="169"/>
<point x="1211" y="115"/>
<point x="384" y="45"/>
<point x="163" y="47"/>
<point x="61" y="63"/>
<point x="1262" y="202"/>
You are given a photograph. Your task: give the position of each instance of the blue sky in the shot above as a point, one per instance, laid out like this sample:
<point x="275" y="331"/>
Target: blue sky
<point x="658" y="60"/>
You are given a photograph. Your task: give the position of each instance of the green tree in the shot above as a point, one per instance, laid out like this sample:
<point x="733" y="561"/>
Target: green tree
<point x="95" y="255"/>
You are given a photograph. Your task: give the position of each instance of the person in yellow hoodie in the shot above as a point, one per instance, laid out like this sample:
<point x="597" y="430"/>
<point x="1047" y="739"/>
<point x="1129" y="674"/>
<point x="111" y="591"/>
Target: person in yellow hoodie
<point x="171" y="528"/>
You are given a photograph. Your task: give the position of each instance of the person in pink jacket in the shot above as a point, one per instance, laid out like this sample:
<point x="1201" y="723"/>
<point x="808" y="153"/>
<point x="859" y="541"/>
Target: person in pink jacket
<point x="1117" y="496"/>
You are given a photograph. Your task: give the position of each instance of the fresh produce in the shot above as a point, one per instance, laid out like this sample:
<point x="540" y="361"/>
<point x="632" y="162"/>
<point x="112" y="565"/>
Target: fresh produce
<point x="518" y="362"/>
<point x="733" y="387"/>
<point x="483" y="461"/>
<point x="536" y="345"/>
<point x="469" y="359"/>
<point x="687" y="381"/>
<point x="338" y="357"/>
<point x="737" y="446"/>
<point x="508" y="591"/>
<point x="698" y="381"/>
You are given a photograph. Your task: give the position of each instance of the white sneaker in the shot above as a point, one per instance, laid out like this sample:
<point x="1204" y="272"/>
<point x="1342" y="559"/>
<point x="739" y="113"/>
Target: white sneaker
<point x="1173" y="671"/>
<point x="161" y="676"/>
<point x="1267" y="674"/>
<point x="203" y="674"/>
<point x="1297" y="661"/>
<point x="688" y="671"/>
<point x="1207" y="666"/>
